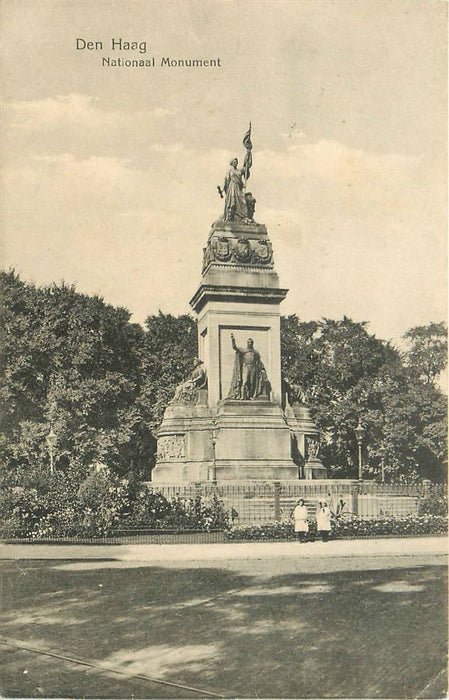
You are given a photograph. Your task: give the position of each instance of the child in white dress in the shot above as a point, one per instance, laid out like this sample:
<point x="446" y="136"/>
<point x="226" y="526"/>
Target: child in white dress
<point x="300" y="516"/>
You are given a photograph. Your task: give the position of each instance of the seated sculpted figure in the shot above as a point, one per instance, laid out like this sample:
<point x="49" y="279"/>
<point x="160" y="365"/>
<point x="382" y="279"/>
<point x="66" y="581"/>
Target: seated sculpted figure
<point x="249" y="378"/>
<point x="187" y="392"/>
<point x="294" y="392"/>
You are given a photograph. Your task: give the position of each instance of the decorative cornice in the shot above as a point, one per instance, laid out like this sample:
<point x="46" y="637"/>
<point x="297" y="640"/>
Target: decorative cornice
<point x="237" y="228"/>
<point x="249" y="295"/>
<point x="216" y="265"/>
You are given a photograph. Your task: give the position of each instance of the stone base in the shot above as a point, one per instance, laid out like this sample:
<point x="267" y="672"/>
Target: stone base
<point x="305" y="431"/>
<point x="345" y="485"/>
<point x="252" y="441"/>
<point x="314" y="469"/>
<point x="181" y="472"/>
<point x="184" y="444"/>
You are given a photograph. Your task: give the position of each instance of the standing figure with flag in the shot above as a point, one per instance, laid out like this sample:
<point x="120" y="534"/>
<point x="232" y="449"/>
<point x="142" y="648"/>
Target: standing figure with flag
<point x="235" y="183"/>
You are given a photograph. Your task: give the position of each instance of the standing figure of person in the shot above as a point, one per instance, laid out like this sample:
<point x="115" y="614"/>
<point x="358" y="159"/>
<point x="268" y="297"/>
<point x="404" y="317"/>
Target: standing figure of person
<point x="340" y="508"/>
<point x="300" y="516"/>
<point x="235" y="204"/>
<point x="249" y="378"/>
<point x="323" y="521"/>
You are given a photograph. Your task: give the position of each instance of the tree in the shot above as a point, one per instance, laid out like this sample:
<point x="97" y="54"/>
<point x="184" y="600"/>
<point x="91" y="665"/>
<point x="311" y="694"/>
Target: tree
<point x="103" y="383"/>
<point x="347" y="374"/>
<point x="334" y="363"/>
<point x="411" y="429"/>
<point x="427" y="354"/>
<point x="73" y="361"/>
<point x="168" y="350"/>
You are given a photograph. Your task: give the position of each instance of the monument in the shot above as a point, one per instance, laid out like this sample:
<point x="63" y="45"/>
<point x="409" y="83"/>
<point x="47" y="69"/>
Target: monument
<point x="233" y="419"/>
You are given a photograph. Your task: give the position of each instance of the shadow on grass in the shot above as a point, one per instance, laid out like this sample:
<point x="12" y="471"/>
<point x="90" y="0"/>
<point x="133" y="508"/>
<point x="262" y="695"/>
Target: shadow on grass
<point x="379" y="633"/>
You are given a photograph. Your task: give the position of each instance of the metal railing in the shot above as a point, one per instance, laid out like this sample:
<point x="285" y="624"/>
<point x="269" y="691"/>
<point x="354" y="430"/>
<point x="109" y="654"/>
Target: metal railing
<point x="269" y="501"/>
<point x="258" y="502"/>
<point x="121" y="536"/>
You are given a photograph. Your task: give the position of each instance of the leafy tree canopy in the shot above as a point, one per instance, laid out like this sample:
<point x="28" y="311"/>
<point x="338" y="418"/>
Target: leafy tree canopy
<point x="427" y="353"/>
<point x="347" y="374"/>
<point x="103" y="383"/>
<point x="73" y="361"/>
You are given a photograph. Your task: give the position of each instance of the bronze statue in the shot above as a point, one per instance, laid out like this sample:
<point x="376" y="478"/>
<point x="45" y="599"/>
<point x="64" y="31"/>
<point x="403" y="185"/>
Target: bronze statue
<point x="235" y="203"/>
<point x="238" y="207"/>
<point x="250" y="205"/>
<point x="249" y="378"/>
<point x="187" y="392"/>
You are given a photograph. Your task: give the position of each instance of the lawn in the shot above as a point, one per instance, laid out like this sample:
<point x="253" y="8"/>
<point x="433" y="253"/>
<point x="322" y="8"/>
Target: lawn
<point x="286" y="629"/>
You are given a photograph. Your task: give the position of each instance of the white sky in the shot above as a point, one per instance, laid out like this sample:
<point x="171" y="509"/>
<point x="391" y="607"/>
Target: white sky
<point x="110" y="174"/>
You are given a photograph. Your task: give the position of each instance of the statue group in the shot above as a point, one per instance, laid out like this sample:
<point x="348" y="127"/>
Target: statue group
<point x="238" y="420"/>
<point x="239" y="205"/>
<point x="249" y="377"/>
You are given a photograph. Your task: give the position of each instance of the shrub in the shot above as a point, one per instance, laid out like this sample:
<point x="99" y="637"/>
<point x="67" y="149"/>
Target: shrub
<point x="153" y="510"/>
<point x="63" y="507"/>
<point x="19" y="510"/>
<point x="433" y="505"/>
<point x="344" y="528"/>
<point x="100" y="502"/>
<point x="261" y="531"/>
<point x="97" y="506"/>
<point x="28" y="512"/>
<point x="406" y="525"/>
<point x="148" y="509"/>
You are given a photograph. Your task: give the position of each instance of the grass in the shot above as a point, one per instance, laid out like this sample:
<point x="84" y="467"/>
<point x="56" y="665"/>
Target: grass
<point x="253" y="629"/>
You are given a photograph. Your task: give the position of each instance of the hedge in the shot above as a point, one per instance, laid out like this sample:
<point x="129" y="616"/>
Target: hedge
<point x="103" y="503"/>
<point x="344" y="528"/>
<point x="99" y="505"/>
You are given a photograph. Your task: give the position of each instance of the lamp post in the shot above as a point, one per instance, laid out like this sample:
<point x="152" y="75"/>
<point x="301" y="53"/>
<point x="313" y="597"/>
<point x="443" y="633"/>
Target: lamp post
<point x="359" y="433"/>
<point x="51" y="442"/>
<point x="383" y="453"/>
<point x="214" y="457"/>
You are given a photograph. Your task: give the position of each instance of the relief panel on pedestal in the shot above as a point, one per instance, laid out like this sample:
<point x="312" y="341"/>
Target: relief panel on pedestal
<point x="171" y="448"/>
<point x="238" y="251"/>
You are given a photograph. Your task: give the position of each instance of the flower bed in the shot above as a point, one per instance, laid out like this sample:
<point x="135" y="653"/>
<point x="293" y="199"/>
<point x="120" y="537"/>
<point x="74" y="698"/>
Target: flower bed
<point x="99" y="506"/>
<point x="344" y="528"/>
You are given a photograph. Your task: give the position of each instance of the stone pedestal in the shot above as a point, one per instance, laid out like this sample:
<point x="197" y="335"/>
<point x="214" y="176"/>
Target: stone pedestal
<point x="253" y="442"/>
<point x="306" y="437"/>
<point x="314" y="469"/>
<point x="220" y="437"/>
<point x="184" y="443"/>
<point x="239" y="293"/>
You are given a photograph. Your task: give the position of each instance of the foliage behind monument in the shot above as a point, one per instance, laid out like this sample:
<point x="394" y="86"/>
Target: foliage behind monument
<point x="103" y="383"/>
<point x="347" y="373"/>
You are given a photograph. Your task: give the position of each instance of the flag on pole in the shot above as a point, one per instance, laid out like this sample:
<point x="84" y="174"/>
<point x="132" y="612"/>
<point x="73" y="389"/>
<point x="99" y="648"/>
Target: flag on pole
<point x="248" y="157"/>
<point x="247" y="139"/>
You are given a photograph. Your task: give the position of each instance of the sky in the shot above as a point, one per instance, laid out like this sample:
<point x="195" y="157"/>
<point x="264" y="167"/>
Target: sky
<point x="110" y="174"/>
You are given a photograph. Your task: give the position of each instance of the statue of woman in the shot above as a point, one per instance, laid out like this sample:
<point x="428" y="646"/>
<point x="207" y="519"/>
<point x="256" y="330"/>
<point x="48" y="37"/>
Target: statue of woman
<point x="187" y="392"/>
<point x="235" y="204"/>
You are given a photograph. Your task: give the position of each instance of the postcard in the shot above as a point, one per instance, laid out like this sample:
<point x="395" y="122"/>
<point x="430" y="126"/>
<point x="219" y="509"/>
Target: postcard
<point x="224" y="387"/>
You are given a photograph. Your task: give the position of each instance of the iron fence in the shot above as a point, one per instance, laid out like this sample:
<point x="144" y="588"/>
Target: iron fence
<point x="269" y="501"/>
<point x="260" y="502"/>
<point x="122" y="536"/>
